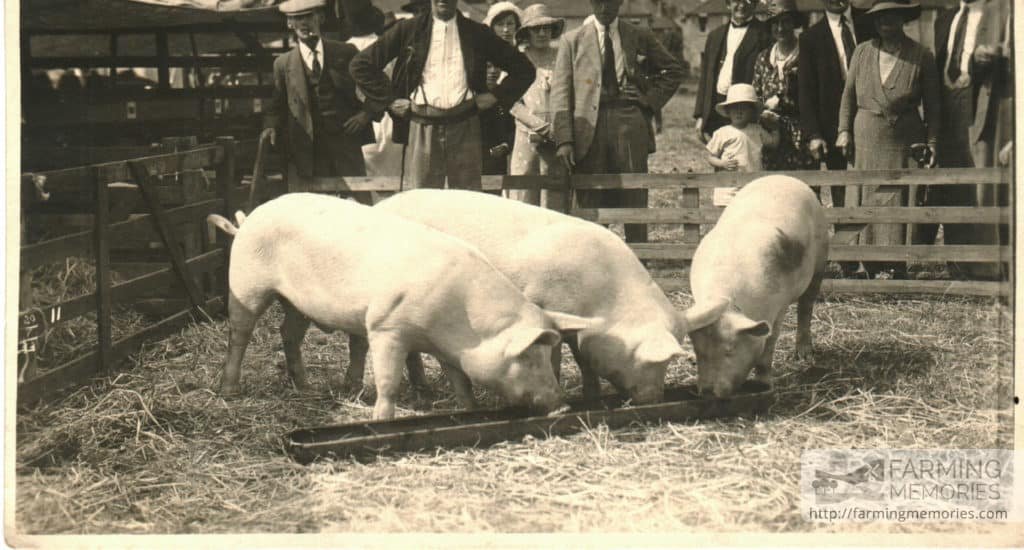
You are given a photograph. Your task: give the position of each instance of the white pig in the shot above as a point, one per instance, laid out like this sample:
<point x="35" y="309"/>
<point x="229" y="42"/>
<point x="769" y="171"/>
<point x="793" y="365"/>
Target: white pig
<point x="575" y="266"/>
<point x="404" y="287"/>
<point x="767" y="250"/>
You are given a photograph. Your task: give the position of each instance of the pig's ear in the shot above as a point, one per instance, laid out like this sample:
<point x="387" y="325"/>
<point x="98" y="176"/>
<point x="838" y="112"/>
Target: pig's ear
<point x="566" y="323"/>
<point x="701" y="315"/>
<point x="751" y="327"/>
<point x="522" y="338"/>
<point x="660" y="347"/>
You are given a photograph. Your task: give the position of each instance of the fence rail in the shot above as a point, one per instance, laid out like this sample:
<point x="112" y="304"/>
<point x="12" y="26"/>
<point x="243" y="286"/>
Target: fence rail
<point x="849" y="221"/>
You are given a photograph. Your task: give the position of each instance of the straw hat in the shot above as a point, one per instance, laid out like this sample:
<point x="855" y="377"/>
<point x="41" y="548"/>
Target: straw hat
<point x="301" y="7"/>
<point x="910" y="9"/>
<point x="535" y="16"/>
<point x="501" y="8"/>
<point x="739" y="93"/>
<point x="776" y="8"/>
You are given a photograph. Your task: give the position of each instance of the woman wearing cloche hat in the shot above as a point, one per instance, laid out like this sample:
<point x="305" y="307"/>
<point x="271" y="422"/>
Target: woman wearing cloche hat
<point x="534" y="149"/>
<point x="497" y="127"/>
<point x="888" y="79"/>
<point x="775" y="81"/>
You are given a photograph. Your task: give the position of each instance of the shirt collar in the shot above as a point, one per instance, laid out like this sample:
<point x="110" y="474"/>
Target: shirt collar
<point x="833" y="18"/>
<point x="306" y="51"/>
<point x="614" y="26"/>
<point x="447" y="23"/>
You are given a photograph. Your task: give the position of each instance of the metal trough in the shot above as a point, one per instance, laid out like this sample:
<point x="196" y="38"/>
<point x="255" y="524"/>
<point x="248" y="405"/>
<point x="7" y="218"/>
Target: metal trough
<point x="367" y="440"/>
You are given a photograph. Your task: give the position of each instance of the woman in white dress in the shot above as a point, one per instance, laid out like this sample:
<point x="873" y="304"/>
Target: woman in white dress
<point x="534" y="150"/>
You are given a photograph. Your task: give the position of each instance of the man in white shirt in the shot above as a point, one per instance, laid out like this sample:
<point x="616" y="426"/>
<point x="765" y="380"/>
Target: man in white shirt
<point x="438" y="87"/>
<point x="314" y="114"/>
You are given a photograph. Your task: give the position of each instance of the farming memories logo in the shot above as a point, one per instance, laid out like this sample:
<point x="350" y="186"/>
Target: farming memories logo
<point x="907" y="485"/>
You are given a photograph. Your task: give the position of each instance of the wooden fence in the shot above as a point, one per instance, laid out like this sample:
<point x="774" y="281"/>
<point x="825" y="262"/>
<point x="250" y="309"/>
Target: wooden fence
<point x="197" y="272"/>
<point x="849" y="221"/>
<point x="139" y="208"/>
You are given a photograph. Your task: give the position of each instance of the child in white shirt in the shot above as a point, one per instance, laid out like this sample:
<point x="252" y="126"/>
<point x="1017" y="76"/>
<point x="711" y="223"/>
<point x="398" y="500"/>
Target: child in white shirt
<point x="737" y="146"/>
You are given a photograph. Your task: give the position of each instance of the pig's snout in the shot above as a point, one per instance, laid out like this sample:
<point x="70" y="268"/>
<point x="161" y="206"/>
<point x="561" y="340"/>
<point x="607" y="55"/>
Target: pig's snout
<point x="723" y="389"/>
<point x="547" y="402"/>
<point x="647" y="396"/>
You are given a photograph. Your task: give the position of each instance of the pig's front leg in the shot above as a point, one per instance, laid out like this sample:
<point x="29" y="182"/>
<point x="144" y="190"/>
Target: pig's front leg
<point x="763" y="365"/>
<point x="388" y="354"/>
<point x="358" y="347"/>
<point x="461" y="385"/>
<point x="556" y="361"/>
<point x="293" y="332"/>
<point x="591" y="383"/>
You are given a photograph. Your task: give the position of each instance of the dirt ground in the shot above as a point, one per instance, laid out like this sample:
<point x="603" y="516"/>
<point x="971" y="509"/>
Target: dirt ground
<point x="157" y="451"/>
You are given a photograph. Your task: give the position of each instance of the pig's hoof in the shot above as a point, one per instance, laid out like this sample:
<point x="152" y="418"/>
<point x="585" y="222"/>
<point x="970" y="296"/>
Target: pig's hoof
<point x="301" y="386"/>
<point x="230" y="390"/>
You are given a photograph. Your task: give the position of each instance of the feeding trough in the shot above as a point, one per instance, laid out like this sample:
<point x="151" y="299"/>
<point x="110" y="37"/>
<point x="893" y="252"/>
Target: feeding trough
<point x="367" y="440"/>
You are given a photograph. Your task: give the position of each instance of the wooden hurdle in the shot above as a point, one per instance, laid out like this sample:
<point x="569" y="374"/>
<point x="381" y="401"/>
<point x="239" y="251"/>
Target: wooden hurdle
<point x="160" y="199"/>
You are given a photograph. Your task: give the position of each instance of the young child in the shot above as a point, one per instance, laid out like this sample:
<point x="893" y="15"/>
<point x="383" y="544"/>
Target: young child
<point x="737" y="146"/>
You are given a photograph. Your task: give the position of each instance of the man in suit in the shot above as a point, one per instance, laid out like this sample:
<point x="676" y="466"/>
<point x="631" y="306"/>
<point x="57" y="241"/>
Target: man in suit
<point x="314" y="109"/>
<point x="728" y="58"/>
<point x="438" y="88"/>
<point x="610" y="78"/>
<point x="972" y="54"/>
<point x="825" y="51"/>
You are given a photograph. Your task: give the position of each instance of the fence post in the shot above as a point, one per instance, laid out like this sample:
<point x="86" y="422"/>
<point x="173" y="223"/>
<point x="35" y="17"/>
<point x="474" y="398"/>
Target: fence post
<point x="102" y="247"/>
<point x="226" y="175"/>
<point x="691" y="231"/>
<point x="226" y="181"/>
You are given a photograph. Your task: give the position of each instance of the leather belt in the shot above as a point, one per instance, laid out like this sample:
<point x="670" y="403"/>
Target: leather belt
<point x="429" y="116"/>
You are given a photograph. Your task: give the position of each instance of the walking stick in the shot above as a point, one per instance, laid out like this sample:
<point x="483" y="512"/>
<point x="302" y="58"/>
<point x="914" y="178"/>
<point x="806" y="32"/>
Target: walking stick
<point x="257" y="170"/>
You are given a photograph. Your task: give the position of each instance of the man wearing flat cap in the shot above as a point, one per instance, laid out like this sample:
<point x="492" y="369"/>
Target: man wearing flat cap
<point x="314" y="115"/>
<point x="437" y="90"/>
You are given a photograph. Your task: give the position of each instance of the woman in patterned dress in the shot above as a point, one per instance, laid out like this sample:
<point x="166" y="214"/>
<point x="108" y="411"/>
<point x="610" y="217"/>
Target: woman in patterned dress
<point x="775" y="81"/>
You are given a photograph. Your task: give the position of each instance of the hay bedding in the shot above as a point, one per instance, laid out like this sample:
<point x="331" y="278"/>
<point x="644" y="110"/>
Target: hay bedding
<point x="156" y="451"/>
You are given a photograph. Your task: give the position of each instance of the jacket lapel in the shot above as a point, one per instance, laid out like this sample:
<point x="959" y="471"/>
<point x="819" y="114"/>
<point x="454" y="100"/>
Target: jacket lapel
<point x="591" y="53"/>
<point x="828" y="46"/>
<point x="942" y="37"/>
<point x="466" y="44"/>
<point x="629" y="47"/>
<point x="298" y="91"/>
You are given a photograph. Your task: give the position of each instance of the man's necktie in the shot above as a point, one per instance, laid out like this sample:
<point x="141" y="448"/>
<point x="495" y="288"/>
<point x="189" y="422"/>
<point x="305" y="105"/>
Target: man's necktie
<point x="316" y="67"/>
<point x="958" y="46"/>
<point x="847" y="36"/>
<point x="609" y="77"/>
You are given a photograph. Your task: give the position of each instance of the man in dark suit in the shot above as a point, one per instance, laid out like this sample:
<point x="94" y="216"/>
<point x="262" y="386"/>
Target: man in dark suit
<point x="825" y="51"/>
<point x="970" y="51"/>
<point x="728" y="58"/>
<point x="314" y="109"/>
<point x="610" y="78"/>
<point x="438" y="88"/>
